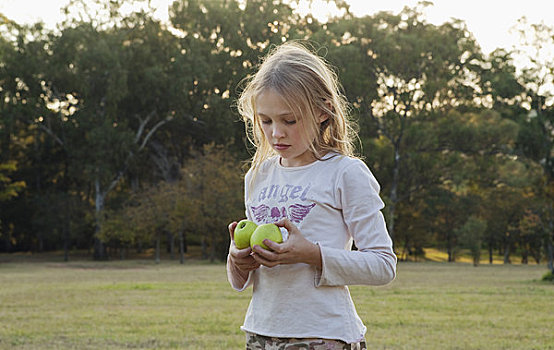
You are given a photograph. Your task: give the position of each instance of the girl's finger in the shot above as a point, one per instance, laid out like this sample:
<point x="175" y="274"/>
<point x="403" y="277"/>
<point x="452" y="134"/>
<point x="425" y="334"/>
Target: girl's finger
<point x="286" y="223"/>
<point x="265" y="255"/>
<point x="276" y="247"/>
<point x="261" y="260"/>
<point x="232" y="229"/>
<point x="241" y="253"/>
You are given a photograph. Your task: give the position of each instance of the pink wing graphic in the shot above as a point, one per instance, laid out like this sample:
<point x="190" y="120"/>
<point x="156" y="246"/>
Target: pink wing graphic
<point x="297" y="212"/>
<point x="277" y="214"/>
<point x="261" y="212"/>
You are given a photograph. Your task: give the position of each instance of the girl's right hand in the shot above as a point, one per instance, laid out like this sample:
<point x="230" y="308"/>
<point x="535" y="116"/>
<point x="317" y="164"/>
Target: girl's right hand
<point x="240" y="258"/>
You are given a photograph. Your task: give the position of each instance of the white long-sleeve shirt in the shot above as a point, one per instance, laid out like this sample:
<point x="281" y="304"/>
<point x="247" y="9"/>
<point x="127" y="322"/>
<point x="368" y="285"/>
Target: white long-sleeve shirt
<point x="333" y="202"/>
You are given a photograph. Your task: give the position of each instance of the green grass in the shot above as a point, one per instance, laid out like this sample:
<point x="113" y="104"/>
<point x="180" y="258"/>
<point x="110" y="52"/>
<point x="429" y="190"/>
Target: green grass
<point x="140" y="305"/>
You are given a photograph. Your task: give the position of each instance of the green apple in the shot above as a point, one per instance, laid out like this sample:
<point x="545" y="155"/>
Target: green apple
<point x="269" y="231"/>
<point x="243" y="231"/>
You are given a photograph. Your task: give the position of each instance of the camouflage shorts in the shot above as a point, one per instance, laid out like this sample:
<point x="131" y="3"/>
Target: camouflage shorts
<point x="260" y="342"/>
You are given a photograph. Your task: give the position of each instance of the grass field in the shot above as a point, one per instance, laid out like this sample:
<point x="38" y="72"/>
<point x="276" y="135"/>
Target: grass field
<point x="139" y="305"/>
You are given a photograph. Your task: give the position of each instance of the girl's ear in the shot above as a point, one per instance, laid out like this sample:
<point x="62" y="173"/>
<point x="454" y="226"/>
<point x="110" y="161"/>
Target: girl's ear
<point x="324" y="116"/>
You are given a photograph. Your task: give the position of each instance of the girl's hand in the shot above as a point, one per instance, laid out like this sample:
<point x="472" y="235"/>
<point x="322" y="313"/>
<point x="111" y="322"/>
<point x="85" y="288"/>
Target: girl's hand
<point x="240" y="258"/>
<point x="296" y="249"/>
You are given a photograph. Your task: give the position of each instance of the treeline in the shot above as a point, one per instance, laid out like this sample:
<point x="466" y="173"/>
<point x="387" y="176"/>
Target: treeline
<point x="119" y="132"/>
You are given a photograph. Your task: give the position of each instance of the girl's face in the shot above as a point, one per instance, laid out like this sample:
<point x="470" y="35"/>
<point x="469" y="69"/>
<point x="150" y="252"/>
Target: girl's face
<point x="282" y="131"/>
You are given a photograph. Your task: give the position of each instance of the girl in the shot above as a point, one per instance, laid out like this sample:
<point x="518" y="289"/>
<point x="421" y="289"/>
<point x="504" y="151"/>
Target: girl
<point x="304" y="178"/>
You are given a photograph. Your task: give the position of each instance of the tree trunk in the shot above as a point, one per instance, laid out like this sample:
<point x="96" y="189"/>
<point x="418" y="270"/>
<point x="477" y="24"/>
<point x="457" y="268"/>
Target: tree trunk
<point x="450" y="244"/>
<point x="7" y="238"/>
<point x="66" y="231"/>
<point x="170" y="244"/>
<point x="99" y="249"/>
<point x="405" y="251"/>
<point x="185" y="245"/>
<point x="181" y="248"/>
<point x="66" y="243"/>
<point x="525" y="257"/>
<point x="212" y="246"/>
<point x="550" y="254"/>
<point x="203" y="248"/>
<point x="550" y="236"/>
<point x="158" y="248"/>
<point x="394" y="192"/>
<point x="507" y="254"/>
<point x="490" y="253"/>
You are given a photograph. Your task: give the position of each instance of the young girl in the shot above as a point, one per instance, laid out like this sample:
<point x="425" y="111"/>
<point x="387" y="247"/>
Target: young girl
<point x="304" y="178"/>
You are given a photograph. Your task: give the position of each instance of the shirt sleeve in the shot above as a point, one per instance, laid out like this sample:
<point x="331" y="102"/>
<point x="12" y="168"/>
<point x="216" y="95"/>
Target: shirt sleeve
<point x="374" y="263"/>
<point x="235" y="281"/>
<point x="232" y="274"/>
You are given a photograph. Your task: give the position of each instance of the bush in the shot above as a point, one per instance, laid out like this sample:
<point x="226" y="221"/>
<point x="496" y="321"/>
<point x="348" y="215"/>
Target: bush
<point x="470" y="236"/>
<point x="548" y="277"/>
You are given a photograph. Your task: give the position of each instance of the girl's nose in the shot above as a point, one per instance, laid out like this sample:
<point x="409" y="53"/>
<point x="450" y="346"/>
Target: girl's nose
<point x="277" y="132"/>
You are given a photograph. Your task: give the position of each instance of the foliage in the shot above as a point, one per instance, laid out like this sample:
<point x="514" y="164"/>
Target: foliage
<point x="8" y="187"/>
<point x="212" y="181"/>
<point x="119" y="129"/>
<point x="409" y="83"/>
<point x="200" y="204"/>
<point x="471" y="236"/>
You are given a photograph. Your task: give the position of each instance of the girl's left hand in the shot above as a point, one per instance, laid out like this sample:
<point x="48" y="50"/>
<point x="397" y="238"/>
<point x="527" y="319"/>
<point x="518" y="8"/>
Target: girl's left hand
<point x="296" y="249"/>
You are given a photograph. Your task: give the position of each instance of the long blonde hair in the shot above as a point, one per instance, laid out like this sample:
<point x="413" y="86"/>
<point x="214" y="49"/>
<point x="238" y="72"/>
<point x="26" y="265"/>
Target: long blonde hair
<point x="310" y="87"/>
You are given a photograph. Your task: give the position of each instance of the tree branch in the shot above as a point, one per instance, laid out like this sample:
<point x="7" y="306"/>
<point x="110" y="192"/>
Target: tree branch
<point x="143" y="123"/>
<point x="153" y="130"/>
<point x="130" y="156"/>
<point x="49" y="132"/>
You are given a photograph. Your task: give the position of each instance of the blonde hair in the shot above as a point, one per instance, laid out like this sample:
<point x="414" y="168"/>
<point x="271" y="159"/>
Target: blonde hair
<point x="310" y="87"/>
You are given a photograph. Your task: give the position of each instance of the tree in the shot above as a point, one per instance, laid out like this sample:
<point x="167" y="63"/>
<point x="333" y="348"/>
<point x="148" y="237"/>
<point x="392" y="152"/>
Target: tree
<point x="471" y="236"/>
<point x="500" y="88"/>
<point x="118" y="229"/>
<point x="532" y="236"/>
<point x="223" y="41"/>
<point x="8" y="190"/>
<point x="413" y="80"/>
<point x="22" y="56"/>
<point x="112" y="117"/>
<point x="104" y="119"/>
<point x="537" y="136"/>
<point x="8" y="187"/>
<point x="147" y="216"/>
<point x="460" y="161"/>
<point x="213" y="179"/>
<point x="206" y="197"/>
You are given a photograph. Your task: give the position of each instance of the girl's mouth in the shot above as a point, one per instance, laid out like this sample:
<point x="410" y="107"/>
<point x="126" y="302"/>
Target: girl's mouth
<point x="281" y="147"/>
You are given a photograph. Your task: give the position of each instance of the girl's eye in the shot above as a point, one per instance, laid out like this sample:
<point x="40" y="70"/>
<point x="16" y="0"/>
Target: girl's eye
<point x="290" y="122"/>
<point x="266" y="121"/>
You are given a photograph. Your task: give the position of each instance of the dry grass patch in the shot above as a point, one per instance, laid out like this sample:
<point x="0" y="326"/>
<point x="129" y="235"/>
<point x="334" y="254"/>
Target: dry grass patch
<point x="140" y="305"/>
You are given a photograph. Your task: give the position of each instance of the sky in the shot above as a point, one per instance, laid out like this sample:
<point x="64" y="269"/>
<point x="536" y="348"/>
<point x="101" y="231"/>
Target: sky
<point x="489" y="20"/>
